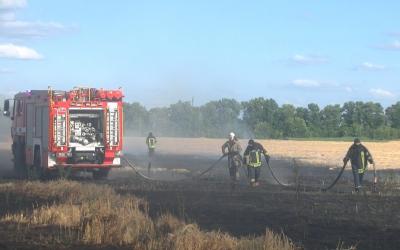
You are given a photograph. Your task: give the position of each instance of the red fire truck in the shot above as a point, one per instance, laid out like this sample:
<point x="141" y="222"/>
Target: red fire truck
<point x="79" y="129"/>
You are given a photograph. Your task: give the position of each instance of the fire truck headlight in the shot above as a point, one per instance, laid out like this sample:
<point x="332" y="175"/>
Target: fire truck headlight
<point x="51" y="160"/>
<point x="62" y="155"/>
<point x="118" y="154"/>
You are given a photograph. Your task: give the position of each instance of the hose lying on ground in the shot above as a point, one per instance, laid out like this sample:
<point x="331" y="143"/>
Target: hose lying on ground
<point x="274" y="176"/>
<point x="131" y="165"/>
<point x="210" y="168"/>
<point x="336" y="180"/>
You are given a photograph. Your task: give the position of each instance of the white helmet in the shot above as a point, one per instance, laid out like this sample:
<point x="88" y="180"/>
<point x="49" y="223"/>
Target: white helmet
<point x="231" y="135"/>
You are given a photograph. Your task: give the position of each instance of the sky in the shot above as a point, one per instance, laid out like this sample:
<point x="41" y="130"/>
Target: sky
<point x="160" y="52"/>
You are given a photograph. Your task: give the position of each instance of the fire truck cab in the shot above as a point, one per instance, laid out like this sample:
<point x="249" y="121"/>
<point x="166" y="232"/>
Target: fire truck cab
<point x="77" y="130"/>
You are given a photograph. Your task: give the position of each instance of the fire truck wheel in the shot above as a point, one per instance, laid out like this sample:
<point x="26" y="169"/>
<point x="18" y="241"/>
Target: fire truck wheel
<point x="101" y="174"/>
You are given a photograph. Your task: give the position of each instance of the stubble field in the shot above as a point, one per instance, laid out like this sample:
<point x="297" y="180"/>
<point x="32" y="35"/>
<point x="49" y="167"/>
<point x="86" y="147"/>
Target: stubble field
<point x="324" y="153"/>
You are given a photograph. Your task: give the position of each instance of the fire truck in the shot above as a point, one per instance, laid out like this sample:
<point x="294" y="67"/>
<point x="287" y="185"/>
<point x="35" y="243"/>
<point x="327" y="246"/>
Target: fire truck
<point x="77" y="130"/>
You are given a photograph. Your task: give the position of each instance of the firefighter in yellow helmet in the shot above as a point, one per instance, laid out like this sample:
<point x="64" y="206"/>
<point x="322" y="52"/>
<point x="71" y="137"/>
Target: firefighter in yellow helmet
<point x="232" y="149"/>
<point x="253" y="159"/>
<point x="151" y="142"/>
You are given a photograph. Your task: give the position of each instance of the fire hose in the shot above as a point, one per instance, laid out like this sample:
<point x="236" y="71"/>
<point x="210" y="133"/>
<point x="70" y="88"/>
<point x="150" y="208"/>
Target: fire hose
<point x="340" y="175"/>
<point x="336" y="180"/>
<point x="273" y="174"/>
<point x="212" y="166"/>
<point x="131" y="165"/>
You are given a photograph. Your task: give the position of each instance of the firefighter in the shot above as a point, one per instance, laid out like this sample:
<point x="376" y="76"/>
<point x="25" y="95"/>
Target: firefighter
<point x="151" y="143"/>
<point x="232" y="149"/>
<point x="359" y="157"/>
<point x="253" y="159"/>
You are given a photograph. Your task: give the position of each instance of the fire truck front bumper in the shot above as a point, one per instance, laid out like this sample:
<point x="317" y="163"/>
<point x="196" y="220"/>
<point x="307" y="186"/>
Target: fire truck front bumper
<point x="85" y="166"/>
<point x="85" y="163"/>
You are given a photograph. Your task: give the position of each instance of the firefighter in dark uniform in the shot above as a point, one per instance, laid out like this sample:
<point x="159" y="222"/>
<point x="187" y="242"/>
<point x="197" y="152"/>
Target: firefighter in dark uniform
<point x="253" y="159"/>
<point x="151" y="143"/>
<point x="233" y="150"/>
<point x="359" y="157"/>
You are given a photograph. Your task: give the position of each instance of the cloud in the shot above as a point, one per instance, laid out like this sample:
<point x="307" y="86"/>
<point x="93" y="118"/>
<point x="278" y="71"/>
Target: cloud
<point x="5" y="71"/>
<point x="13" y="51"/>
<point x="348" y="89"/>
<point x="6" y="16"/>
<point x="381" y="93"/>
<point x="15" y="28"/>
<point x="12" y="4"/>
<point x="11" y="27"/>
<point x="308" y="59"/>
<point x="371" y="66"/>
<point x="306" y="83"/>
<point x="395" y="45"/>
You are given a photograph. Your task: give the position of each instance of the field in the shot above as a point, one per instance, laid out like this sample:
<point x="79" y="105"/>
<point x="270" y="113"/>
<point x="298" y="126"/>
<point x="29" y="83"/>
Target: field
<point x="179" y="212"/>
<point x="325" y="153"/>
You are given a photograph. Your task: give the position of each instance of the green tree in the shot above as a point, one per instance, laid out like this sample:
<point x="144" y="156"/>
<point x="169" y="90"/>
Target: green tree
<point x="259" y="110"/>
<point x="220" y="117"/>
<point x="264" y="118"/>
<point x="289" y="123"/>
<point x="393" y="115"/>
<point x="373" y="115"/>
<point x="184" y="119"/>
<point x="314" y="119"/>
<point x="136" y="119"/>
<point x="159" y="121"/>
<point x="331" y="120"/>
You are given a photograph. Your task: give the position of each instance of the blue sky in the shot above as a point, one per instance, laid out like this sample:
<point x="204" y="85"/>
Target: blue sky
<point x="163" y="51"/>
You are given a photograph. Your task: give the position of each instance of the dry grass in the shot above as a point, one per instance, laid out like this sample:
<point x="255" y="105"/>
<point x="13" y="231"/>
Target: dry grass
<point x="90" y="214"/>
<point x="270" y="241"/>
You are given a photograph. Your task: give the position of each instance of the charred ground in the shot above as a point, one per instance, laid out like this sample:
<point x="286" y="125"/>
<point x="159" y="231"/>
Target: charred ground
<point x="311" y="218"/>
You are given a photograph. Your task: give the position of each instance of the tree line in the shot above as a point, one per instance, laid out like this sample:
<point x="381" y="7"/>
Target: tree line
<point x="264" y="118"/>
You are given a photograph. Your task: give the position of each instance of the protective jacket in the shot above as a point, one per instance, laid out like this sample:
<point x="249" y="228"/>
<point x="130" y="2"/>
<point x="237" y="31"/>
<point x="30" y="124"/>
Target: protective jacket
<point x="151" y="142"/>
<point x="359" y="157"/>
<point x="253" y="154"/>
<point x="233" y="149"/>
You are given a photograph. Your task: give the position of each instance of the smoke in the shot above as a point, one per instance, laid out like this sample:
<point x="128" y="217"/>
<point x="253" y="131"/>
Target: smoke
<point x="6" y="166"/>
<point x="5" y="129"/>
<point x="5" y="122"/>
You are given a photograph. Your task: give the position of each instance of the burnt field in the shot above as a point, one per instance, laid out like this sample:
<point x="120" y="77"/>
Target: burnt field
<point x="312" y="219"/>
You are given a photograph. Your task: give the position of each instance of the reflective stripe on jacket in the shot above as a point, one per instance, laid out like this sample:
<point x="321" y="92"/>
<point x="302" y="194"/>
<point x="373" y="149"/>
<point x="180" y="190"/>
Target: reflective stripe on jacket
<point x="151" y="142"/>
<point x="253" y="154"/>
<point x="254" y="158"/>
